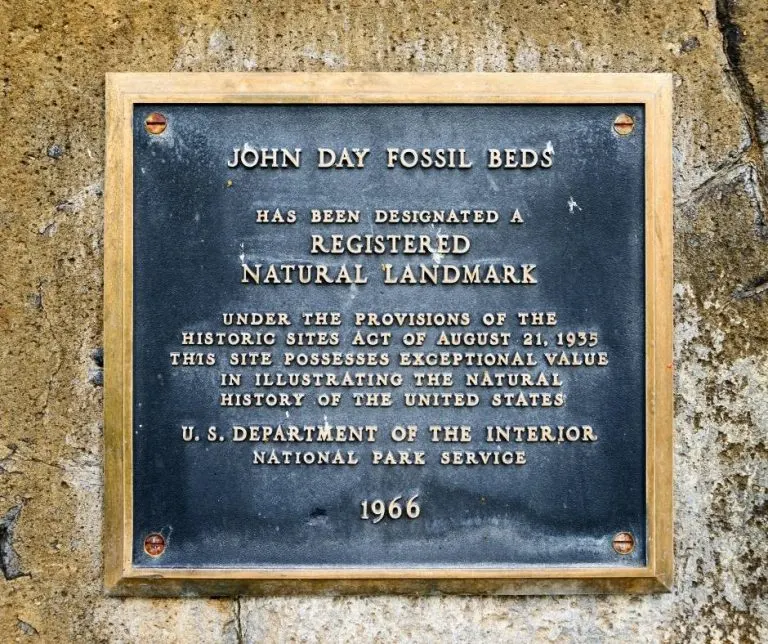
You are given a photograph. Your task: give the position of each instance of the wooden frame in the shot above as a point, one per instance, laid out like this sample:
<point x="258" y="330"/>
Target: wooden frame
<point x="654" y="91"/>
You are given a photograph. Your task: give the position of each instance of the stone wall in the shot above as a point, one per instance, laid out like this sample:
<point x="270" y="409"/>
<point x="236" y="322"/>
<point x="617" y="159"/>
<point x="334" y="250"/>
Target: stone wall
<point x="52" y="62"/>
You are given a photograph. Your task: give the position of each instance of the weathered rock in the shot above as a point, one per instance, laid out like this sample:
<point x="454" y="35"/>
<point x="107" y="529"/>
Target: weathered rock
<point x="51" y="213"/>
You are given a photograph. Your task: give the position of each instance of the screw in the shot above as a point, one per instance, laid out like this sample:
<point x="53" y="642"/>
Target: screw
<point x="623" y="543"/>
<point x="624" y="124"/>
<point x="155" y="123"/>
<point x="154" y="544"/>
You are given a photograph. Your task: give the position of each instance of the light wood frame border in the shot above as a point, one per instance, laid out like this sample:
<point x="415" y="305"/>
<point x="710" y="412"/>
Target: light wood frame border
<point x="654" y="91"/>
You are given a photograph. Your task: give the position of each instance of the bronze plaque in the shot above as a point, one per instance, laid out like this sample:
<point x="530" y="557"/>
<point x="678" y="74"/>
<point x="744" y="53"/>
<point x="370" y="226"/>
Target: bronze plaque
<point x="389" y="333"/>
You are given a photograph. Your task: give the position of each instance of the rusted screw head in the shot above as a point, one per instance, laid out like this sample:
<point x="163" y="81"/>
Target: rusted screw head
<point x="154" y="544"/>
<point x="623" y="124"/>
<point x="155" y="123"/>
<point x="623" y="543"/>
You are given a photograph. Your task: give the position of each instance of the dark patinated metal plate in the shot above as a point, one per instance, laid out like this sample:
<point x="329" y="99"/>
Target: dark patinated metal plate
<point x="194" y="224"/>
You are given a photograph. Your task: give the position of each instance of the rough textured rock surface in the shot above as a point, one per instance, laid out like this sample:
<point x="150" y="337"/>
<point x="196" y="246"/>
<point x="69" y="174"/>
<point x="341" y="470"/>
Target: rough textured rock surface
<point x="52" y="60"/>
